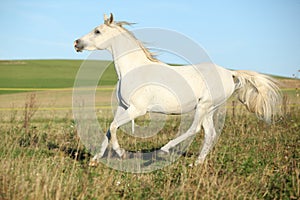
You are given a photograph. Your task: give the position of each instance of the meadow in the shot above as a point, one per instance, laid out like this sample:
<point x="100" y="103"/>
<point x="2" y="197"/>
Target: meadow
<point x="42" y="156"/>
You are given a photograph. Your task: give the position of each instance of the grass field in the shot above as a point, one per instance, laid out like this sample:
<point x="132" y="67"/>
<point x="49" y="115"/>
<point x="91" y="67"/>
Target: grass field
<point x="43" y="158"/>
<point x="27" y="74"/>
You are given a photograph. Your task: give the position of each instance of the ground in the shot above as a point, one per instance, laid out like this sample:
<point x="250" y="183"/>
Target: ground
<point x="42" y="156"/>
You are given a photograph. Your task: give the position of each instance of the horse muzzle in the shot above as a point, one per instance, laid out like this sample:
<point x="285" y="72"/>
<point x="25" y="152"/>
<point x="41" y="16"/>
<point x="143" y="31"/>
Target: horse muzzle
<point x="78" y="45"/>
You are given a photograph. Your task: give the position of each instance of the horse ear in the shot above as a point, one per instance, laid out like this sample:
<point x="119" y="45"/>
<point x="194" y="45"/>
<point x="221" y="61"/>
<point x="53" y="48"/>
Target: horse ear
<point x="105" y="18"/>
<point x="111" y="18"/>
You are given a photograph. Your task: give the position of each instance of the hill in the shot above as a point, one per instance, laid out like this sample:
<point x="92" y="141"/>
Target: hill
<point x="23" y="75"/>
<point x="27" y="74"/>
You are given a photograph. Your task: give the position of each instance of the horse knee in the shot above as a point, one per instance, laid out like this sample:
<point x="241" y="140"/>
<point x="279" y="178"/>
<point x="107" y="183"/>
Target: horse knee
<point x="113" y="127"/>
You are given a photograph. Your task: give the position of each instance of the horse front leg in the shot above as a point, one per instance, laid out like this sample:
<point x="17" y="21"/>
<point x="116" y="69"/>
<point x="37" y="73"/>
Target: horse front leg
<point x="122" y="117"/>
<point x="107" y="139"/>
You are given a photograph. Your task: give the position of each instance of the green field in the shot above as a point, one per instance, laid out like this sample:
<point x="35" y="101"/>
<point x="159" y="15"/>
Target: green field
<point x="42" y="156"/>
<point x="46" y="74"/>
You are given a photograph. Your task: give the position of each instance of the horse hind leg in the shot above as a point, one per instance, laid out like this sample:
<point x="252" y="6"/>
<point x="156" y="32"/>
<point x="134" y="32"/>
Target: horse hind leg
<point x="210" y="138"/>
<point x="195" y="127"/>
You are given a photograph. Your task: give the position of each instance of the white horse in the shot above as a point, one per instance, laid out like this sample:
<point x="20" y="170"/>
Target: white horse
<point x="146" y="84"/>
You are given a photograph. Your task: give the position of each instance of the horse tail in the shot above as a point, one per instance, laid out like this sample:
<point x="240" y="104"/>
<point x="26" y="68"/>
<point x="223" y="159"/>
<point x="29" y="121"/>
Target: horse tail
<point x="259" y="93"/>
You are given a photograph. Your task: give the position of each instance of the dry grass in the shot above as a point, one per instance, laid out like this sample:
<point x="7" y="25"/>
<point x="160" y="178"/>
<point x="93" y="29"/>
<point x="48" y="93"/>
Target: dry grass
<point x="252" y="160"/>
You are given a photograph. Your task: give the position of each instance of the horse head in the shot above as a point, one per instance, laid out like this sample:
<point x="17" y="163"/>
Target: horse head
<point x="100" y="37"/>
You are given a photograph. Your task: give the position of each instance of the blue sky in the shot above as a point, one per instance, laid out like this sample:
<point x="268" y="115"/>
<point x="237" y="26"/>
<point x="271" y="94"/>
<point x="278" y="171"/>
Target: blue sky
<point x="260" y="35"/>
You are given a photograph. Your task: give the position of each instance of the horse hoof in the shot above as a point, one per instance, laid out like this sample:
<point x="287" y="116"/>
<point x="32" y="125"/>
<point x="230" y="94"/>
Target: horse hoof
<point x="162" y="152"/>
<point x="192" y="165"/>
<point x="121" y="153"/>
<point x="198" y="162"/>
<point x="93" y="163"/>
<point x="124" y="155"/>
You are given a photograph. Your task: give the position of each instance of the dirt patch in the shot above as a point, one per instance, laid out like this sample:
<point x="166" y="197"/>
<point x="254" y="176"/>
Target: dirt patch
<point x="7" y="62"/>
<point x="290" y="83"/>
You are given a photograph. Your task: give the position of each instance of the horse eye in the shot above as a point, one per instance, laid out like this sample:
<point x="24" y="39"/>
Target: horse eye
<point x="97" y="31"/>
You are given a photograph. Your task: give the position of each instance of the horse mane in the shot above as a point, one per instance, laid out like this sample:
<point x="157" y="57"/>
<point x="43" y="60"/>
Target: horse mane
<point x="148" y="54"/>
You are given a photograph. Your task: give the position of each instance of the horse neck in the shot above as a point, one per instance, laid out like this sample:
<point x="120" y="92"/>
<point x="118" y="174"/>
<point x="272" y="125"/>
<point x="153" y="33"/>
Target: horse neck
<point x="127" y="54"/>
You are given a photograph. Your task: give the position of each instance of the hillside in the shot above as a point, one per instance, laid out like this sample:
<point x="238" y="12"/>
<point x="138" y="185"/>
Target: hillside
<point x="23" y="75"/>
<point x="29" y="74"/>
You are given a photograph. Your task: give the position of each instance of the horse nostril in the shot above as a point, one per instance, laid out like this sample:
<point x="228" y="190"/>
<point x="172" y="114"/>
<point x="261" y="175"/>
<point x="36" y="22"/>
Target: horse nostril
<point x="78" y="45"/>
<point x="77" y="42"/>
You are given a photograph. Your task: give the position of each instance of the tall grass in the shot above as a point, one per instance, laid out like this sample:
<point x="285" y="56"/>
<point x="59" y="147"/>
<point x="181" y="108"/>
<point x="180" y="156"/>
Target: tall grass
<point x="252" y="160"/>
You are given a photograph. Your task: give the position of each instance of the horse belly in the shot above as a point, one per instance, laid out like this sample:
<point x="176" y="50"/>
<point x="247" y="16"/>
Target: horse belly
<point x="161" y="99"/>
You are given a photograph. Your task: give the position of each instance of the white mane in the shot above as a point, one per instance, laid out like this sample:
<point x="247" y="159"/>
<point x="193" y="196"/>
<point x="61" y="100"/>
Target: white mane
<point x="148" y="54"/>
